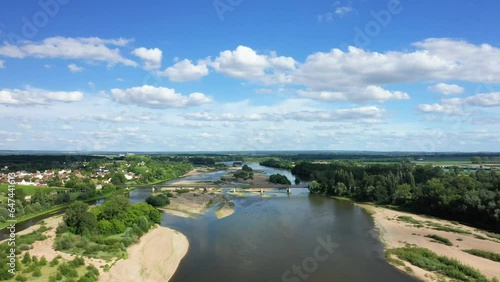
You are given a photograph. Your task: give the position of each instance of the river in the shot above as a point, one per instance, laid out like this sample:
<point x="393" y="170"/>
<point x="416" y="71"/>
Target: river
<point x="288" y="238"/>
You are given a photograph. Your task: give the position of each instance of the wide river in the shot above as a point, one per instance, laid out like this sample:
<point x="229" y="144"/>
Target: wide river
<point x="280" y="237"/>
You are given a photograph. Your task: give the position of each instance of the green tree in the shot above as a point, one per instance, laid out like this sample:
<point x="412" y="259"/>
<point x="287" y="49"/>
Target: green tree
<point x="402" y="195"/>
<point x="74" y="216"/>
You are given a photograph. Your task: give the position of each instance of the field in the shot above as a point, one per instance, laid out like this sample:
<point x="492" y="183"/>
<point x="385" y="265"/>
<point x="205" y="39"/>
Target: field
<point x="30" y="190"/>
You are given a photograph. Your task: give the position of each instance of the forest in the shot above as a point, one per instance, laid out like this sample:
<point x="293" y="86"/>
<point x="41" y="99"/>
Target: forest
<point x="471" y="198"/>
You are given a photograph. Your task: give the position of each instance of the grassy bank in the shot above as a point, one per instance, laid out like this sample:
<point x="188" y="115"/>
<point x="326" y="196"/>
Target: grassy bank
<point x="484" y="254"/>
<point x="430" y="261"/>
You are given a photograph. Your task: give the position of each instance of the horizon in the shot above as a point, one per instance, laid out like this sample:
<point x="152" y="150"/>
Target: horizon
<point x="249" y="76"/>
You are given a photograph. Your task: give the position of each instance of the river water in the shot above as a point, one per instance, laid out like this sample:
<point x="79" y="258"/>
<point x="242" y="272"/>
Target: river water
<point x="279" y="237"/>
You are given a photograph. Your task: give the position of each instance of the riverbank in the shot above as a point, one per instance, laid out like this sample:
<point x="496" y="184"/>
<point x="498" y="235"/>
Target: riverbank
<point x="399" y="229"/>
<point x="155" y="258"/>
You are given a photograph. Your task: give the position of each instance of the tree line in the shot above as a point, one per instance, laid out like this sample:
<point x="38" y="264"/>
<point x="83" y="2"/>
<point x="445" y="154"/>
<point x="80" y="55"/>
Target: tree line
<point x="472" y="198"/>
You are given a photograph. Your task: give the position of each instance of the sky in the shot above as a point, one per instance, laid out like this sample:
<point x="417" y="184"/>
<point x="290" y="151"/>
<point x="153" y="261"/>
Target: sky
<point x="213" y="75"/>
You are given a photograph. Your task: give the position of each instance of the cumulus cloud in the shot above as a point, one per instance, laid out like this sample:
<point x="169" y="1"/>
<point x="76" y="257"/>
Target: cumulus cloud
<point x="439" y="109"/>
<point x="91" y="48"/>
<point x="456" y="106"/>
<point x="370" y="93"/>
<point x="34" y="96"/>
<point x="244" y="62"/>
<point x="158" y="97"/>
<point x="75" y="68"/>
<point x="151" y="57"/>
<point x="185" y="70"/>
<point x="446" y="89"/>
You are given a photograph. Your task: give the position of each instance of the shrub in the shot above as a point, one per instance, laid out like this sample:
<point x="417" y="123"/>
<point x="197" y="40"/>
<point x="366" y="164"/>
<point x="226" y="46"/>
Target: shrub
<point x="26" y="258"/>
<point x="37" y="272"/>
<point x="24" y="247"/>
<point x="64" y="242"/>
<point x="21" y="277"/>
<point x="158" y="200"/>
<point x="76" y="262"/>
<point x="484" y="254"/>
<point x="42" y="262"/>
<point x="440" y="239"/>
<point x="54" y="261"/>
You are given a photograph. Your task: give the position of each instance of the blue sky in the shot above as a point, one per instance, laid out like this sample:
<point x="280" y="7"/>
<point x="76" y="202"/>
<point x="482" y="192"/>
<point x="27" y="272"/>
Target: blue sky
<point x="249" y="75"/>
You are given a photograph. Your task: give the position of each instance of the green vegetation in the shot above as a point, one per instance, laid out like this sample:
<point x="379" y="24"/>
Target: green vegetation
<point x="279" y="179"/>
<point x="447" y="228"/>
<point x="158" y="200"/>
<point x="430" y="261"/>
<point x="473" y="198"/>
<point x="277" y="163"/>
<point x="408" y="219"/>
<point x="244" y="173"/>
<point x="492" y="235"/>
<point x="484" y="254"/>
<point x="23" y="240"/>
<point x="31" y="190"/>
<point x="104" y="231"/>
<point x="440" y="239"/>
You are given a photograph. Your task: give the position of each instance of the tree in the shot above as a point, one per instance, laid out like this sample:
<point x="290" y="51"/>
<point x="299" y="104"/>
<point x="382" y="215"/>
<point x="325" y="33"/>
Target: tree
<point x="75" y="215"/>
<point x="113" y="207"/>
<point x="315" y="187"/>
<point x="118" y="178"/>
<point x="246" y="168"/>
<point x="402" y="195"/>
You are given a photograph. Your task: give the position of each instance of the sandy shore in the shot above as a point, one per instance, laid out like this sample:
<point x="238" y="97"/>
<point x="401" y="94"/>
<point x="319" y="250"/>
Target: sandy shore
<point x="195" y="203"/>
<point x="155" y="258"/>
<point x="395" y="233"/>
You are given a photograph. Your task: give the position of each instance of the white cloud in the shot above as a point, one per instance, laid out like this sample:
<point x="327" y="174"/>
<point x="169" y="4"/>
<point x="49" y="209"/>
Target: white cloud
<point x="2" y="64"/>
<point x="439" y="109"/>
<point x="91" y="84"/>
<point x="65" y="127"/>
<point x="456" y="106"/>
<point x="479" y="100"/>
<point x="75" y="68"/>
<point x="337" y="72"/>
<point x="244" y="62"/>
<point x="370" y="93"/>
<point x="151" y="57"/>
<point x="446" y="89"/>
<point x="207" y="116"/>
<point x="158" y="97"/>
<point x="343" y="10"/>
<point x="34" y="96"/>
<point x="110" y="118"/>
<point x="360" y="114"/>
<point x="185" y="70"/>
<point x="92" y="48"/>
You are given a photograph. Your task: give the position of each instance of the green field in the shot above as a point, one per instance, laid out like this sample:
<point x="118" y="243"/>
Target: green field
<point x="30" y="190"/>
